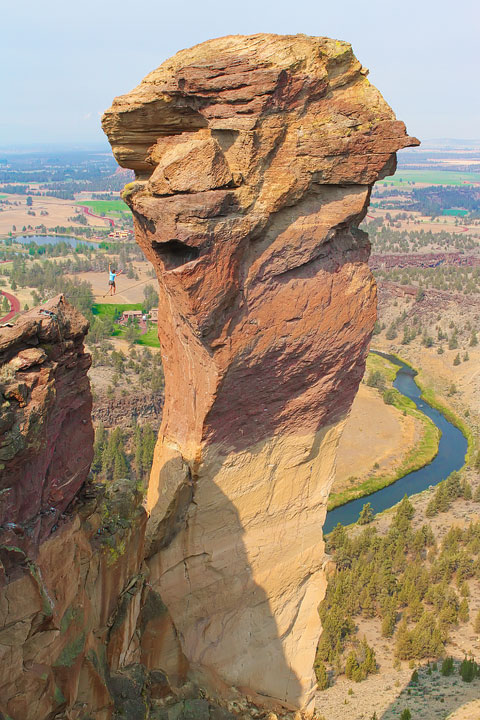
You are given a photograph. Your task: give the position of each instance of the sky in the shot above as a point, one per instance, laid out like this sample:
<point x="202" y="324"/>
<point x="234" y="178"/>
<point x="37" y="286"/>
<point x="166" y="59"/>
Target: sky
<point x="63" y="62"/>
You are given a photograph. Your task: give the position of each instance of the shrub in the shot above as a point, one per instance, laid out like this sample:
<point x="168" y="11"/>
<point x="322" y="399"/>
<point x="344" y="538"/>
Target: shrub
<point x="389" y="396"/>
<point x="468" y="670"/>
<point x="447" y="667"/>
<point x="376" y="380"/>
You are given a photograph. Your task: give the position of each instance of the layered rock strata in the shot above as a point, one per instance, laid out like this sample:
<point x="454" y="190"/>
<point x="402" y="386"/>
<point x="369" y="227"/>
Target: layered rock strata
<point x="254" y="160"/>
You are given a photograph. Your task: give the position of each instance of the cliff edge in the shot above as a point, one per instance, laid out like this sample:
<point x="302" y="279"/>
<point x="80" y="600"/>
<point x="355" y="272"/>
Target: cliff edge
<point x="254" y="160"/>
<point x="46" y="431"/>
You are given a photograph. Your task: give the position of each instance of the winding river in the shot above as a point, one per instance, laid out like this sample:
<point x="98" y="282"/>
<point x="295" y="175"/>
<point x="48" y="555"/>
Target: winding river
<point x="451" y="456"/>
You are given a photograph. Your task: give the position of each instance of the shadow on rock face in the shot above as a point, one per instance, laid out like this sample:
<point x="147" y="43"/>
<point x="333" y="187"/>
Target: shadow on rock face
<point x="222" y="615"/>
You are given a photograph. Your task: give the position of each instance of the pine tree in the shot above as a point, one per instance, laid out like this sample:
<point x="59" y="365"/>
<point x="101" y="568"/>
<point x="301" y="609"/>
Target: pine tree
<point x="403" y="641"/>
<point x="404" y="514"/>
<point x="447" y="667"/>
<point x="351" y="665"/>
<point x="370" y="661"/>
<point x="120" y="469"/>
<point x="463" y="612"/>
<point x="366" y="515"/>
<point x="321" y="675"/>
<point x="466" y="489"/>
<point x="467" y="670"/>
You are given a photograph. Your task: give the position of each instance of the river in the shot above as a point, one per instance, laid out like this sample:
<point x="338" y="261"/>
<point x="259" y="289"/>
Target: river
<point x="451" y="456"/>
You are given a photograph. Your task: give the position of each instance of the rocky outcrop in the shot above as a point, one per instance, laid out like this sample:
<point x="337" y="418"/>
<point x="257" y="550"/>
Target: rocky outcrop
<point x="141" y="406"/>
<point x="254" y="160"/>
<point x="423" y="260"/>
<point x="46" y="432"/>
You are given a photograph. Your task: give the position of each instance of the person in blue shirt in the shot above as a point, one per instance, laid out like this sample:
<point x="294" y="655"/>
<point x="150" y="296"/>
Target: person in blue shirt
<point x="111" y="280"/>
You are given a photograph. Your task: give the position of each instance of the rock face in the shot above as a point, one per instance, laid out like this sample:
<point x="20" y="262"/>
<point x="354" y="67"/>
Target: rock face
<point x="76" y="616"/>
<point x="254" y="160"/>
<point x="46" y="432"/>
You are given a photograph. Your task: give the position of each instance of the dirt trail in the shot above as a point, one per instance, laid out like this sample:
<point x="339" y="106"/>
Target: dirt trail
<point x="14" y="306"/>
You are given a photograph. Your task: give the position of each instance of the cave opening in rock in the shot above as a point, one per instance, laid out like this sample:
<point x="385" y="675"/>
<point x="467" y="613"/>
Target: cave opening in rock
<point x="175" y="253"/>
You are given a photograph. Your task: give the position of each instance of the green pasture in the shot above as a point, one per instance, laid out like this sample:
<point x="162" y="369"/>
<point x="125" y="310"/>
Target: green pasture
<point x="456" y="212"/>
<point x="106" y="206"/>
<point x="431" y="177"/>
<point x="150" y="338"/>
<point x="108" y="309"/>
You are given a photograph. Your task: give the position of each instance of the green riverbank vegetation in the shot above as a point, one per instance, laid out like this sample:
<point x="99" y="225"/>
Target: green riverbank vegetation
<point x="380" y="374"/>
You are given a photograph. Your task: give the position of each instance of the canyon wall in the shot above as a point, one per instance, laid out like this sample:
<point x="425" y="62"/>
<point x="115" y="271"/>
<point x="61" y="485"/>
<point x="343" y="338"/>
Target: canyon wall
<point x="254" y="160"/>
<point x="79" y="624"/>
<point x="46" y="432"/>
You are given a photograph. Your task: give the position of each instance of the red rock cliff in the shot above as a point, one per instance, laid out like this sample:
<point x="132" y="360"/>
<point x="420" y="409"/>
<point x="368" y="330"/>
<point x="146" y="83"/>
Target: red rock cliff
<point x="46" y="432"/>
<point x="254" y="157"/>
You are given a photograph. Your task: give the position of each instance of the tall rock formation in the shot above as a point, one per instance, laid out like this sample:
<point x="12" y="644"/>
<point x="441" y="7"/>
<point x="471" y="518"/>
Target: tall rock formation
<point x="254" y="160"/>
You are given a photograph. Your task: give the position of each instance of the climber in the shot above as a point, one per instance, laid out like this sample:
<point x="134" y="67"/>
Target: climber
<point x="111" y="280"/>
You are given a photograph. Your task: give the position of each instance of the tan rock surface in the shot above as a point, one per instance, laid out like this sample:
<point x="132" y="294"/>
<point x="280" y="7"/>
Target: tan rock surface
<point x="254" y="159"/>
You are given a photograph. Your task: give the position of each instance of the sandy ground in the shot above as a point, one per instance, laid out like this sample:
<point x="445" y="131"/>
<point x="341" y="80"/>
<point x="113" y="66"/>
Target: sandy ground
<point x="435" y="698"/>
<point x="128" y="290"/>
<point x="58" y="213"/>
<point x="425" y="223"/>
<point x="375" y="433"/>
<point x="470" y="711"/>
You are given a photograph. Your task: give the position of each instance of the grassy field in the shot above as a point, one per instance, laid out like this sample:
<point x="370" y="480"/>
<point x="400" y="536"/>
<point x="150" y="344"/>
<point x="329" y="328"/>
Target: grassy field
<point x="108" y="310"/>
<point x="456" y="212"/>
<point x="150" y="338"/>
<point x="107" y="206"/>
<point x="422" y="454"/>
<point x="431" y="177"/>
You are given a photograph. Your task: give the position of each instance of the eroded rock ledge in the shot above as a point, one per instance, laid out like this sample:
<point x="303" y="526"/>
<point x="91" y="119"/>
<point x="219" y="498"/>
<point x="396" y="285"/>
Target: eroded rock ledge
<point x="254" y="158"/>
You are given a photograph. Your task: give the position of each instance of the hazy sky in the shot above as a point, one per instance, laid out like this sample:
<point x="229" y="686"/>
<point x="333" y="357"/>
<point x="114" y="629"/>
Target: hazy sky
<point x="63" y="62"/>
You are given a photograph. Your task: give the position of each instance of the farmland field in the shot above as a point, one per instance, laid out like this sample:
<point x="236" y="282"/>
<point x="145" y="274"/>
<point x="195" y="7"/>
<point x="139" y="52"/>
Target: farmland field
<point x="431" y="177"/>
<point x="456" y="212"/>
<point x="109" y="310"/>
<point x="107" y="206"/>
